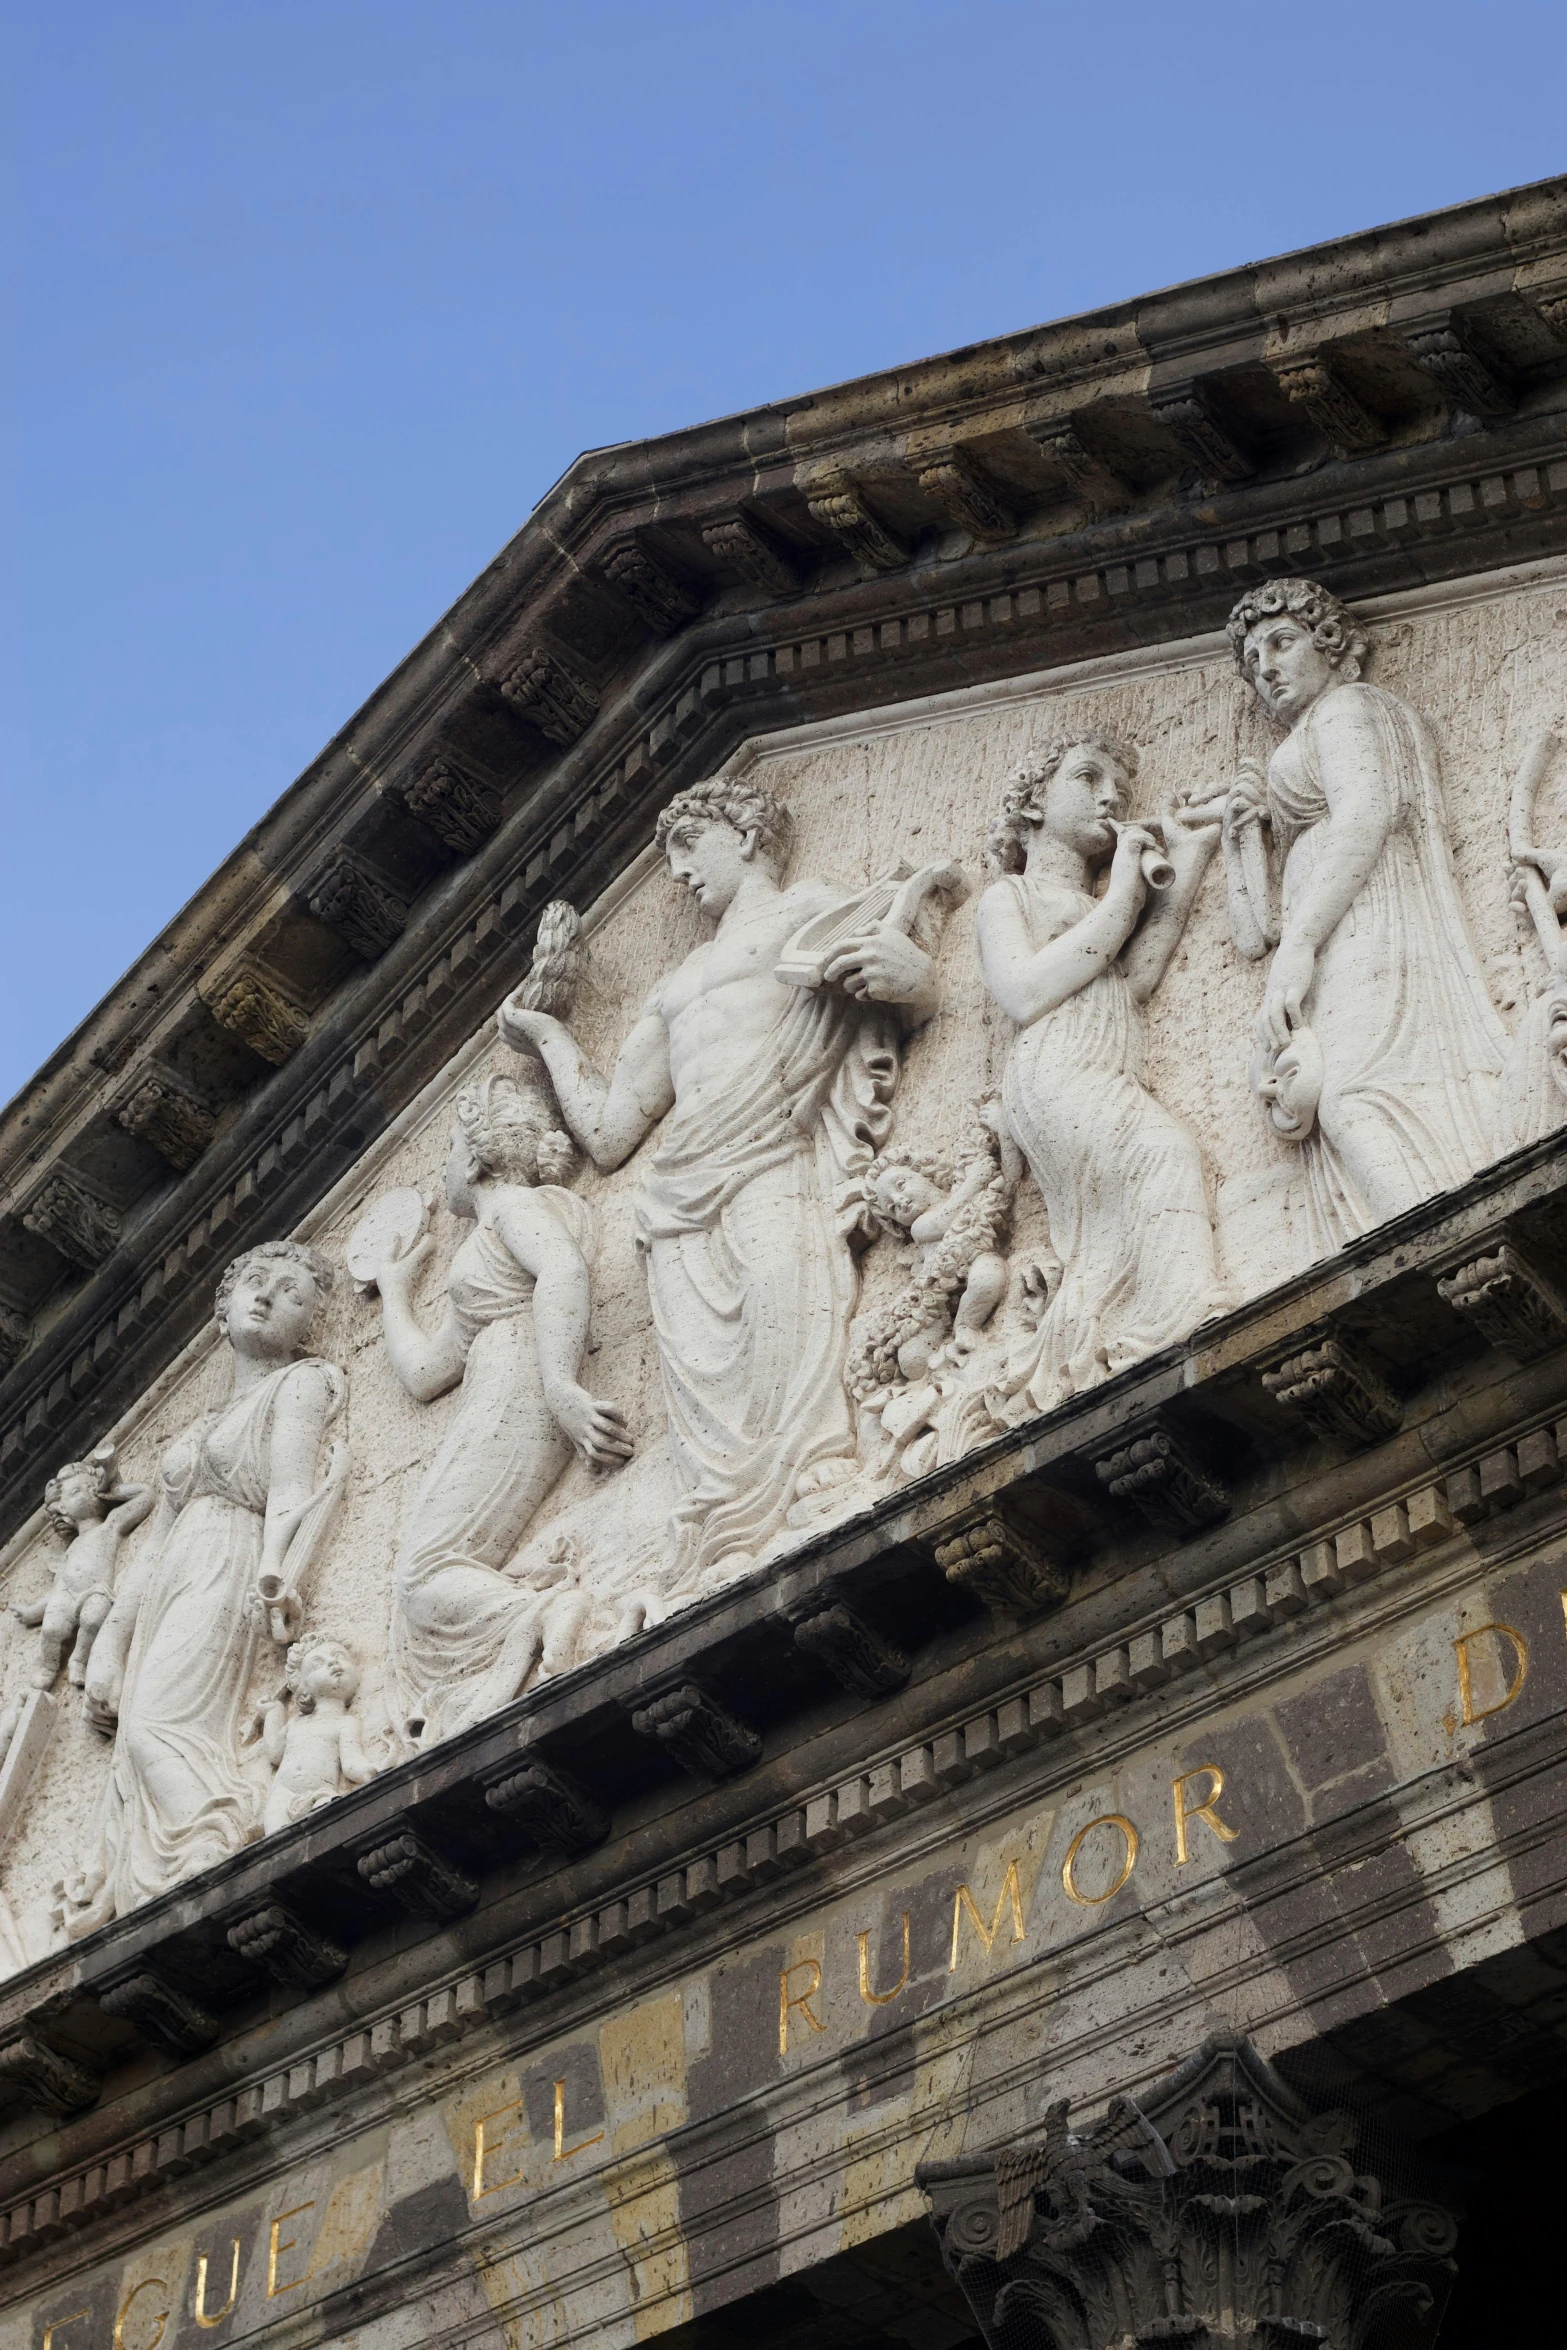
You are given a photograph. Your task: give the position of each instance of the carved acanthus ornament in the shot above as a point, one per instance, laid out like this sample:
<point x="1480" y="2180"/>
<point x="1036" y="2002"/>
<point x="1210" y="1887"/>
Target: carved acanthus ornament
<point x="253" y="1006"/>
<point x="162" y="2010"/>
<point x="968" y="495"/>
<point x="1217" y="2210"/>
<point x="169" y="1114"/>
<point x="701" y="1735"/>
<point x="1085" y="474"/>
<point x="15" y="1330"/>
<point x="1158" y="1475"/>
<point x="37" y="2075"/>
<point x="1003" y="1563"/>
<point x="405" y="1868"/>
<point x="839" y="505"/>
<point x="550" y="696"/>
<point x="275" y="1938"/>
<point x="73" y="1219"/>
<point x="1509" y="1301"/>
<point x="1335" y="1390"/>
<point x="1310" y="384"/>
<point x="750" y="550"/>
<point x="1186" y="418"/>
<point x="1448" y="355"/>
<point x="859" y="1658"/>
<point x="549" y="1805"/>
<point x="359" y="904"/>
<point x="657" y="597"/>
<point x="459" y="808"/>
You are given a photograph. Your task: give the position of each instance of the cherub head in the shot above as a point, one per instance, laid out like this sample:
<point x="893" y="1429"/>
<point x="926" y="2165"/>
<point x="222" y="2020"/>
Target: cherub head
<point x="319" y="1667"/>
<point x="712" y="833"/>
<point x="902" y="1186"/>
<point x="77" y="1495"/>
<point x="1292" y="640"/>
<point x="1075" y="788"/>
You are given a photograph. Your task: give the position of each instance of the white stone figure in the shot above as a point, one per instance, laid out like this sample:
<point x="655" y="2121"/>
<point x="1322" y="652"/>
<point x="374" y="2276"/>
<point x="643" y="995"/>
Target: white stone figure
<point x="313" y="1742"/>
<point x="93" y="1512"/>
<point x="242" y="1508"/>
<point x="1122" y="1178"/>
<point x="465" y="1638"/>
<point x="1378" y="1048"/>
<point x="770" y="1054"/>
<point x="1535" y="1080"/>
<point x="906" y="1358"/>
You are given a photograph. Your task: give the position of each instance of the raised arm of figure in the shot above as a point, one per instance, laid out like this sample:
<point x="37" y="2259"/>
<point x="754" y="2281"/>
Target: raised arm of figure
<point x="132" y="1503"/>
<point x="607" y="1120"/>
<point x="561" y="1300"/>
<point x="427" y="1364"/>
<point x="1028" y="981"/>
<point x="1351" y="838"/>
<point x="1190" y="839"/>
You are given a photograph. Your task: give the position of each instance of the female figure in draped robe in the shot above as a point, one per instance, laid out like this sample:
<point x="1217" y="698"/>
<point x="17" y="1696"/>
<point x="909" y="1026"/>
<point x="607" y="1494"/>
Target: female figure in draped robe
<point x="1122" y="1178"/>
<point x="242" y="1506"/>
<point x="465" y="1637"/>
<point x="1378" y="1048"/>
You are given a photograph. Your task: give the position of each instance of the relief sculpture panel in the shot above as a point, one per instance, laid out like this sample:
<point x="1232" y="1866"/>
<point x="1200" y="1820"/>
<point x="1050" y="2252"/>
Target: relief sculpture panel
<point x="930" y="1067"/>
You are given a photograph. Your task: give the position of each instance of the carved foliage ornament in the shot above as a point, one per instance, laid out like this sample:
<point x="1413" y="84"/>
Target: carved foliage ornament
<point x="260" y="1013"/>
<point x="840" y="507"/>
<point x="162" y="2010"/>
<point x="1206" y="443"/>
<point x="1003" y="1565"/>
<point x="1219" y="2210"/>
<point x="1158" y="1476"/>
<point x="290" y="1951"/>
<point x="1311" y="385"/>
<point x="968" y="495"/>
<point x="15" y="1330"/>
<point x="703" y="1736"/>
<point x="657" y="597"/>
<point x="560" y="704"/>
<point x="458" y="808"/>
<point x="1335" y="1391"/>
<point x="1510" y="1303"/>
<point x="358" y="903"/>
<point x="170" y="1116"/>
<point x="856" y="1656"/>
<point x="37" y="2075"/>
<point x="746" y="548"/>
<point x="406" y="1869"/>
<point x="559" y="1815"/>
<point x="73" y="1220"/>
<point x="1448" y="355"/>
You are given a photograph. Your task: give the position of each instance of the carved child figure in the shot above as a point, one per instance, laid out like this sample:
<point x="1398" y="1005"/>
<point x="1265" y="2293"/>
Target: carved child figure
<point x="93" y="1512"/>
<point x="314" y="1749"/>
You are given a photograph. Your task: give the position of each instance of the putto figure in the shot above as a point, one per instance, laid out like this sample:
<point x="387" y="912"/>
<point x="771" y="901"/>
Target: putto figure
<point x="1378" y="1047"/>
<point x="770" y="1054"/>
<point x="93" y="1512"/>
<point x="314" y="1747"/>
<point x="1122" y="1178"/>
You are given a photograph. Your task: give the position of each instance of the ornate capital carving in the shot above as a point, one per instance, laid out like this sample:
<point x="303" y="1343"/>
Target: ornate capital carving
<point x="656" y="596"/>
<point x="1335" y="1390"/>
<point x="1210" y="448"/>
<point x="1158" y="1475"/>
<point x="358" y="903"/>
<point x="702" y="1735"/>
<point x="1447" y="354"/>
<point x="968" y="495"/>
<point x="748" y="549"/>
<point x="169" y="1114"/>
<point x="15" y="1331"/>
<point x="559" y="1815"/>
<point x="290" y="1951"/>
<point x="839" y="505"/>
<point x="252" y="1005"/>
<point x="1087" y="476"/>
<point x="73" y="1219"/>
<point x="551" y="696"/>
<point x="457" y="806"/>
<point x="161" y="2010"/>
<point x="1311" y="385"/>
<point x="1003" y="1563"/>
<point x="36" y="2074"/>
<point x="404" y="1867"/>
<point x="827" y="1628"/>
<point x="1509" y="1301"/>
<point x="1216" y="2210"/>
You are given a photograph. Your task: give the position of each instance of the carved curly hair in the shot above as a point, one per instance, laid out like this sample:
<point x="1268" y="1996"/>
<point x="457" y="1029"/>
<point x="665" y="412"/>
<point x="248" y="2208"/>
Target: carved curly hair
<point x="1335" y="632"/>
<point x="1006" y="841"/>
<point x="731" y="800"/>
<point x="298" y="1657"/>
<point x="102" y="1470"/>
<point x="510" y="1129"/>
<point x="274" y="1252"/>
<point x="929" y="1297"/>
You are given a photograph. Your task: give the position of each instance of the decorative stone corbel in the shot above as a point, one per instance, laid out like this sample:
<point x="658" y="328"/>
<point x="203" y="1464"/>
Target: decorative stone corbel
<point x="1310" y="384"/>
<point x="742" y="544"/>
<point x="1002" y="1563"/>
<point x="826" y="1627"/>
<point x="1158" y="1475"/>
<point x="291" y="1952"/>
<point x="160" y="2010"/>
<point x="549" y="1805"/>
<point x="254" y="1006"/>
<point x="1446" y="352"/>
<point x="37" y="2075"/>
<point x="72" y="1217"/>
<point x="163" y="1110"/>
<point x="15" y="1331"/>
<point x="358" y="903"/>
<point x="1509" y="1301"/>
<point x="966" y="492"/>
<point x="551" y="696"/>
<point x="1185" y="418"/>
<point x="405" y="1868"/>
<point x="703" y="1736"/>
<point x="1086" y="475"/>
<point x="1333" y="1387"/>
<point x="459" y="808"/>
<point x="839" y="505"/>
<point x="1553" y="309"/>
<point x="1215" y="2209"/>
<point x="656" y="596"/>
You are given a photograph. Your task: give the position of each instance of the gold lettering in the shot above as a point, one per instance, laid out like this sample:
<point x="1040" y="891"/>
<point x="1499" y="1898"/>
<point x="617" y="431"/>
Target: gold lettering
<point x="200" y="2306"/>
<point x="1203" y="1811"/>
<point x="480" y="2151"/>
<point x="1470" y="1712"/>
<point x="800" y="2005"/>
<point x="1128" y="1835"/>
<point x="60" y="2324"/>
<point x="563" y="2152"/>
<point x="963" y="1905"/>
<point x="880" y="1998"/>
<point x="275" y="2248"/>
<point x="147" y="2285"/>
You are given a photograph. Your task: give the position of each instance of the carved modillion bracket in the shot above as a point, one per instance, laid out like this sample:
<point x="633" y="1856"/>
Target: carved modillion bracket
<point x="405" y="1868"/>
<point x="161" y="2010"/>
<point x="550" y="696"/>
<point x="359" y="903"/>
<point x="701" y="1735"/>
<point x="163" y="1110"/>
<point x="1508" y="1300"/>
<point x="1310" y="384"/>
<point x="460" y="808"/>
<point x="37" y="2075"/>
<point x="15" y="1331"/>
<point x="744" y="546"/>
<point x="74" y="1219"/>
<point x="274" y="1938"/>
<point x="966" y="493"/>
<point x="840" y="506"/>
<point x="1334" y="1389"/>
<point x="1157" y="1474"/>
<point x="826" y="1627"/>
<point x="1087" y="475"/>
<point x="1186" y="418"/>
<point x="1448" y="354"/>
<point x="548" y="1805"/>
<point x="661" y="601"/>
<point x="254" y="1005"/>
<point x="1002" y="1562"/>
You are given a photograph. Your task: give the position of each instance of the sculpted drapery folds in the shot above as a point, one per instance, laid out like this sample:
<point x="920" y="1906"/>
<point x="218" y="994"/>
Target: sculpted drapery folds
<point x="1122" y="1178"/>
<point x="773" y="1094"/>
<point x="1378" y="1048"/>
<point x="242" y="1508"/>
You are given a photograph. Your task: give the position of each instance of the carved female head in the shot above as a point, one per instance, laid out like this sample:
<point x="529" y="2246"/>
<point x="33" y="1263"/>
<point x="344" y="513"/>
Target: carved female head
<point x="712" y="832"/>
<point x="1292" y="641"/>
<point x="77" y="1495"/>
<point x="505" y="1133"/>
<point x="269" y="1298"/>
<point x="1072" y="789"/>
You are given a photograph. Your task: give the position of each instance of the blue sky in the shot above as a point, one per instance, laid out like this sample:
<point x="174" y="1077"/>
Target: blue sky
<point x="313" y="299"/>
